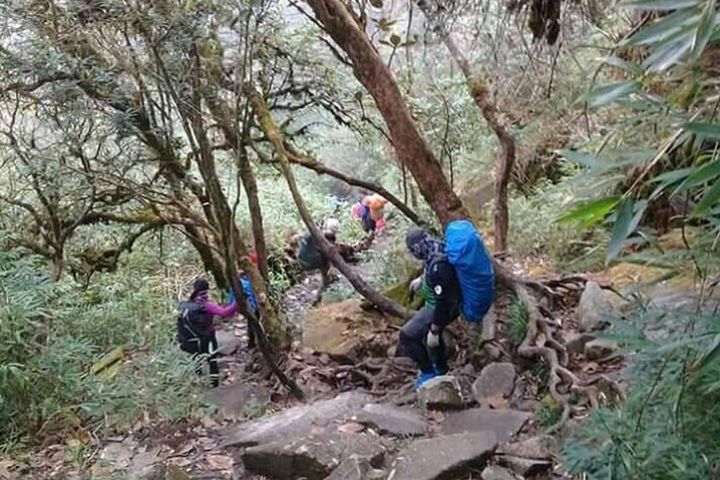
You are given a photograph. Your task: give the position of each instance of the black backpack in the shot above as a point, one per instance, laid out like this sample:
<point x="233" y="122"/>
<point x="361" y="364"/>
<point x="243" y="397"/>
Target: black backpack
<point x="192" y="322"/>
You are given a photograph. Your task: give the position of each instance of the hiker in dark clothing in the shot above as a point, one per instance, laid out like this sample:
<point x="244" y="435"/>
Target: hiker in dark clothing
<point x="421" y="336"/>
<point x="195" y="330"/>
<point x="310" y="257"/>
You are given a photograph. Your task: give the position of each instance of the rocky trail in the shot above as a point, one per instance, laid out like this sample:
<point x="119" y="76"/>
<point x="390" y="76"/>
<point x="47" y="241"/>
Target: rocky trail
<point x="487" y="419"/>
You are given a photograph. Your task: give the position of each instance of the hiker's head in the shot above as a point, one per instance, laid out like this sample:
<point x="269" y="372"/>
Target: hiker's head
<point x="200" y="289"/>
<point x="332" y="224"/>
<point x="421" y="244"/>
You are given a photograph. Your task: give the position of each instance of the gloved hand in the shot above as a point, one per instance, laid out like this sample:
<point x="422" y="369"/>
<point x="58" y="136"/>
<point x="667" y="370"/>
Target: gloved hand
<point x="433" y="339"/>
<point x="416" y="284"/>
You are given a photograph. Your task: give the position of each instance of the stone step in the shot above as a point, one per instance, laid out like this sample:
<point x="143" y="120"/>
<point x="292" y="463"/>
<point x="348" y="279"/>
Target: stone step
<point x="445" y="457"/>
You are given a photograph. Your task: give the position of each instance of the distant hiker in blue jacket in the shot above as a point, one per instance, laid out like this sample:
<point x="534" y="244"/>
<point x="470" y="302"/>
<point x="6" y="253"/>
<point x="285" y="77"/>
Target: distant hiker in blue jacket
<point x="440" y="285"/>
<point x="247" y="287"/>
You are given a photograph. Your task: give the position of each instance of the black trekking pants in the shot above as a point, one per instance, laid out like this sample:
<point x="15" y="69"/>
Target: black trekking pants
<point x="251" y="334"/>
<point x="207" y="346"/>
<point x="413" y="337"/>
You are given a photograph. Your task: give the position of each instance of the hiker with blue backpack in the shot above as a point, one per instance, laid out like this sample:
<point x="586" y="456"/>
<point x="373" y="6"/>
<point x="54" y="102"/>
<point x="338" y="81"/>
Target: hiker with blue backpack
<point x="247" y="287"/>
<point x="457" y="278"/>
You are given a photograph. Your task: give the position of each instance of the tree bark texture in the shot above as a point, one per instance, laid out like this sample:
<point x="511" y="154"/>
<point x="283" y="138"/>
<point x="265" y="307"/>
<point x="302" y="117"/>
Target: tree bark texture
<point x="311" y="163"/>
<point x="481" y="95"/>
<point x="221" y="113"/>
<point x="329" y="250"/>
<point x="410" y="146"/>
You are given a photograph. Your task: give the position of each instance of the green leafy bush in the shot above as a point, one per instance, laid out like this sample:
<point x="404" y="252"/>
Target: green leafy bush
<point x="536" y="232"/>
<point x="668" y="428"/>
<point x="52" y="334"/>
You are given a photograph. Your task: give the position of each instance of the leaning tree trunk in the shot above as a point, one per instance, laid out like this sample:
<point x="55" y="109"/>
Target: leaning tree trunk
<point x="329" y="250"/>
<point x="222" y="113"/>
<point x="321" y="169"/>
<point x="481" y="95"/>
<point x="410" y="146"/>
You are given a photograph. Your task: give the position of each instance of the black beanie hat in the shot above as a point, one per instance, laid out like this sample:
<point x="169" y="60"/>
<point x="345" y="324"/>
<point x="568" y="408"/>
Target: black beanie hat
<point x="199" y="285"/>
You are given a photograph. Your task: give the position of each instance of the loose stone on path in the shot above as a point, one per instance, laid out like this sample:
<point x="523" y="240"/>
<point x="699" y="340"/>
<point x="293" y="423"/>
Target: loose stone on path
<point x="441" y="393"/>
<point x="497" y="380"/>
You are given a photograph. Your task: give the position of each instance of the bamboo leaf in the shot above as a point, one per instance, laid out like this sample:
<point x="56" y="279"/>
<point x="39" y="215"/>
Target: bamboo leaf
<point x="668" y="179"/>
<point x="616" y="62"/>
<point x="659" y="4"/>
<point x="710" y="356"/>
<point x="621" y="228"/>
<point x="709" y="199"/>
<point x="590" y="213"/>
<point x="710" y="131"/>
<point x="664" y="28"/>
<point x="704" y="29"/>
<point x="609" y="92"/>
<point x="700" y="175"/>
<point x="671" y="53"/>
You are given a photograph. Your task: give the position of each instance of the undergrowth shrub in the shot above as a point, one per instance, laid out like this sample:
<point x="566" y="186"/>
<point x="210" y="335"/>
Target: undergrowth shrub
<point x="518" y="321"/>
<point x="669" y="426"/>
<point x="51" y="334"/>
<point x="534" y="231"/>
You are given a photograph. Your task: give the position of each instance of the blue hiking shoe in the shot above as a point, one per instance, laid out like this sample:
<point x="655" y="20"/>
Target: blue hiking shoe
<point x="424" y="377"/>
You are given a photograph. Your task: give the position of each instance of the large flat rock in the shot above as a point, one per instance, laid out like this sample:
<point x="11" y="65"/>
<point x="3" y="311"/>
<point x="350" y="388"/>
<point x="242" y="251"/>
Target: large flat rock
<point x="444" y="458"/>
<point x="503" y="423"/>
<point x="312" y="457"/>
<point x="297" y="421"/>
<point x="337" y="329"/>
<point x="389" y="419"/>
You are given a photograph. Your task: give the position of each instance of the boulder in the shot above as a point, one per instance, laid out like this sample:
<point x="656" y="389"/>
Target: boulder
<point x="356" y="467"/>
<point x="503" y="423"/>
<point x="337" y="329"/>
<point x="392" y="420"/>
<point x="228" y="342"/>
<point x="444" y="457"/>
<point x="296" y="421"/>
<point x="600" y="348"/>
<point x="441" y="393"/>
<point x="311" y="457"/>
<point x="526" y="467"/>
<point x="539" y="448"/>
<point x="594" y="308"/>
<point x="496" y="380"/>
<point x="496" y="473"/>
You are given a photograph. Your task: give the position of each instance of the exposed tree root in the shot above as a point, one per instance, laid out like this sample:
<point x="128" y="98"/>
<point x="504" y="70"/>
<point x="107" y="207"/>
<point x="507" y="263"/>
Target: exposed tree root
<point x="564" y="386"/>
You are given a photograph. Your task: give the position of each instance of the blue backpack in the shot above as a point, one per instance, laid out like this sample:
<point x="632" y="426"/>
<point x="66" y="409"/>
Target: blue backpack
<point x="466" y="251"/>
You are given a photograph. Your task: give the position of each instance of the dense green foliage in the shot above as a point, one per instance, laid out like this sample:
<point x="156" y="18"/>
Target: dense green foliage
<point x="51" y="336"/>
<point x="108" y="209"/>
<point x="668" y="428"/>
